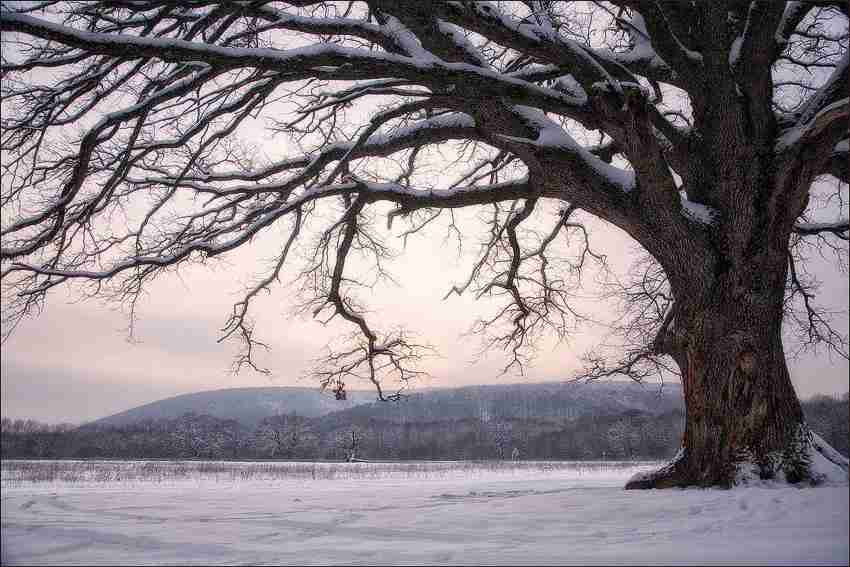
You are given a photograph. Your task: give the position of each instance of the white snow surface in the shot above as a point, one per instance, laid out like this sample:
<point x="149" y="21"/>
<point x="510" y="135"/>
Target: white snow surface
<point x="532" y="515"/>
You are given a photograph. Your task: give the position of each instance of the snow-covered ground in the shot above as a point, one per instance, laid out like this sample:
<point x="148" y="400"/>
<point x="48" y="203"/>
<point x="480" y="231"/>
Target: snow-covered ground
<point x="433" y="514"/>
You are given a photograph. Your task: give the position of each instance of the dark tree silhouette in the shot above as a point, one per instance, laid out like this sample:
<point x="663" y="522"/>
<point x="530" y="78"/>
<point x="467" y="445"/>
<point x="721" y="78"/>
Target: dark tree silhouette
<point x="699" y="128"/>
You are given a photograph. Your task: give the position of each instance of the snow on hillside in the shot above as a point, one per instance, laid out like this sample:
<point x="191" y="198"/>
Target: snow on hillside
<point x="523" y="400"/>
<point x="247" y="405"/>
<point x="479" y="516"/>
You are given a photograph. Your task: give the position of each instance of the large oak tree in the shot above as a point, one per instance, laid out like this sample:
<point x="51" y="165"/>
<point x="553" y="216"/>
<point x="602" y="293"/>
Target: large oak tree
<point x="703" y="129"/>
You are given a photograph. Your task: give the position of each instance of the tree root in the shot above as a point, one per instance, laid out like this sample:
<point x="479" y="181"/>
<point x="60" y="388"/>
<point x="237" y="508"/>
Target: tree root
<point x="667" y="476"/>
<point x="809" y="460"/>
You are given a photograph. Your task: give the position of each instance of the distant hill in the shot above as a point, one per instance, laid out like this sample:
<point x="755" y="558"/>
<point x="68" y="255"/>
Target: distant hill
<point x="613" y="420"/>
<point x="247" y="405"/>
<point x="558" y="401"/>
<point x="551" y="400"/>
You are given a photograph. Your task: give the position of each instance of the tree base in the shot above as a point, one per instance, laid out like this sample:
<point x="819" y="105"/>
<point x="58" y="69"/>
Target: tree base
<point x="812" y="461"/>
<point x="667" y="476"/>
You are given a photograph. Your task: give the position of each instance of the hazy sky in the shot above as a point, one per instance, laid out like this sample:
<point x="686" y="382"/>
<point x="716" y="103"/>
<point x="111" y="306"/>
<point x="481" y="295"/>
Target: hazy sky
<point x="74" y="362"/>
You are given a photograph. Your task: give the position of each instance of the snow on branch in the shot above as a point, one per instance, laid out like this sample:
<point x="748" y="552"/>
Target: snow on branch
<point x="640" y="57"/>
<point x="839" y="228"/>
<point x="299" y="62"/>
<point x="539" y="40"/>
<point x="830" y="92"/>
<point x="663" y="30"/>
<point x="838" y="164"/>
<point x="551" y="135"/>
<point x="830" y="120"/>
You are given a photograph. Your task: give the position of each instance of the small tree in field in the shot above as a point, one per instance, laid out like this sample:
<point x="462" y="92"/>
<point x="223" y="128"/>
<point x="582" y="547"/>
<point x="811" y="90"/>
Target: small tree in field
<point x="282" y="435"/>
<point x="349" y="442"/>
<point x="711" y="132"/>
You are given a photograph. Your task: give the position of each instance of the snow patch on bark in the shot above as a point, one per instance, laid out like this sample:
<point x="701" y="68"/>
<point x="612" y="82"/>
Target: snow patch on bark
<point x="735" y="51"/>
<point x="550" y="134"/>
<point x="697" y="212"/>
<point x="824" y="465"/>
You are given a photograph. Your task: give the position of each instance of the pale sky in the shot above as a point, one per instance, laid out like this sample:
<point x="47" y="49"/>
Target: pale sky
<point x="74" y="362"/>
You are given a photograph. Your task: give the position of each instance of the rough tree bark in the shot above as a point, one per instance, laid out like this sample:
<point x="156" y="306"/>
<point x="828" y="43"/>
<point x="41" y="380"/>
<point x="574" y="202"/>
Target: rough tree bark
<point x="741" y="406"/>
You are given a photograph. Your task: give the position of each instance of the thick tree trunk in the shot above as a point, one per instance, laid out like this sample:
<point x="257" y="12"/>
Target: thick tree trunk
<point x="742" y="413"/>
<point x="741" y="407"/>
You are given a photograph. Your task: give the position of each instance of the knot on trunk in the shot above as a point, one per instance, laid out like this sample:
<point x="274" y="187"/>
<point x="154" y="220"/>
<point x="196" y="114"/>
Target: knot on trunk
<point x="747" y="362"/>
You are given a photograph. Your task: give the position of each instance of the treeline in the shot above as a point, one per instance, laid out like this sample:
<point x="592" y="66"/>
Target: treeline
<point x="193" y="436"/>
<point x="630" y="435"/>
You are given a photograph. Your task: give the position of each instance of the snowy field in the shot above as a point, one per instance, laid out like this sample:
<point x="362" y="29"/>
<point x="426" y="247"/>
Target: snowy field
<point x="106" y="513"/>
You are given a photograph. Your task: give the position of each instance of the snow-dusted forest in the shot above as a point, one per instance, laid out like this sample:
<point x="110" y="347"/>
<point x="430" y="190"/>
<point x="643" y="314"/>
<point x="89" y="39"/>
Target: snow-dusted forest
<point x="598" y="421"/>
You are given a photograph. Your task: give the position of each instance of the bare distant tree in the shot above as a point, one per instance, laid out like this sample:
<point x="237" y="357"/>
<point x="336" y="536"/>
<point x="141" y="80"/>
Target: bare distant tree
<point x="699" y="128"/>
<point x="501" y="435"/>
<point x="623" y="437"/>
<point x="349" y="442"/>
<point x="283" y="433"/>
